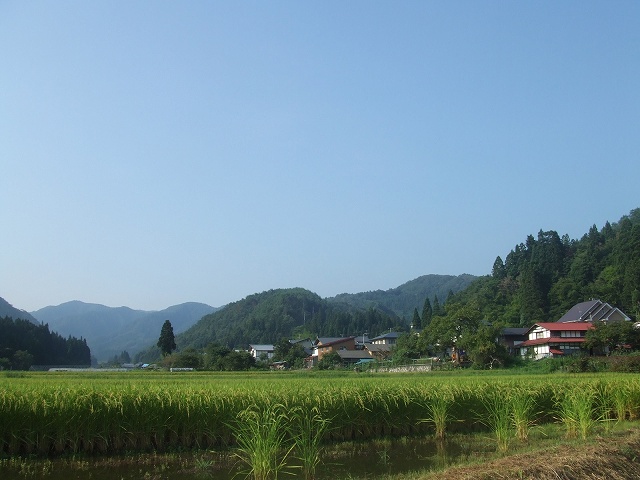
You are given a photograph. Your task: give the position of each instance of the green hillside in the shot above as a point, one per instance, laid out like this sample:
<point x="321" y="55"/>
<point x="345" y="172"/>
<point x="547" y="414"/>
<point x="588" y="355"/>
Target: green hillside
<point x="23" y="344"/>
<point x="404" y="299"/>
<point x="546" y="275"/>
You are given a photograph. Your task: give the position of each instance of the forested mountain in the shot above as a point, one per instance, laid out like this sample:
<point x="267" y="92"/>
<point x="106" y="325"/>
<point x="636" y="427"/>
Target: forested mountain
<point x="546" y="275"/>
<point x="23" y="343"/>
<point x="404" y="299"/>
<point x="8" y="310"/>
<point x="111" y="330"/>
<point x="269" y="316"/>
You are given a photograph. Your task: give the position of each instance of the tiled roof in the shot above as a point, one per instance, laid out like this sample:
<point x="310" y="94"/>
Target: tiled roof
<point x="332" y="341"/>
<point x="544" y="341"/>
<point x="590" y="311"/>
<point x="565" y="327"/>
<point x="387" y="335"/>
<point x="351" y="354"/>
<point x="378" y="347"/>
<point x="514" y="331"/>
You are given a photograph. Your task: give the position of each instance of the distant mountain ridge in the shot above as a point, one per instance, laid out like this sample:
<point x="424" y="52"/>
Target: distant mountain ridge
<point x="403" y="299"/>
<point x="8" y="310"/>
<point x="111" y="330"/>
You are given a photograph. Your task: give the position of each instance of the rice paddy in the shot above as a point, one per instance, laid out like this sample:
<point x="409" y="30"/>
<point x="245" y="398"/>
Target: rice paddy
<point x="271" y="420"/>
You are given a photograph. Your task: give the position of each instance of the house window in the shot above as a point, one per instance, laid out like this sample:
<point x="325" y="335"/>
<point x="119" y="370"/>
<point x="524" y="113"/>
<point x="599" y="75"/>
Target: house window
<point x="571" y="334"/>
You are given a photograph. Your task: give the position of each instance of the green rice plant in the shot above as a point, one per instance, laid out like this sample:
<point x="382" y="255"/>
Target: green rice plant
<point x="260" y="434"/>
<point x="307" y="429"/>
<point x="633" y="401"/>
<point x="522" y="404"/>
<point x="577" y="411"/>
<point x="497" y="417"/>
<point x="622" y="401"/>
<point x="609" y="402"/>
<point x="438" y="413"/>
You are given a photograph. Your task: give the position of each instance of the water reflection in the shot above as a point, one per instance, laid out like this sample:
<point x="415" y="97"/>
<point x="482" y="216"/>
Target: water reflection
<point x="354" y="460"/>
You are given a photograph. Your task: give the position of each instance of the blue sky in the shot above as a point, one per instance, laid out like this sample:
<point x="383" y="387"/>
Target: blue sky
<point x="153" y="153"/>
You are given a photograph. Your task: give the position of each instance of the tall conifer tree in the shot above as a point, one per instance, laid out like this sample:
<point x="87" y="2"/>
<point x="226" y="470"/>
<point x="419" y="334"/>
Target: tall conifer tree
<point x="167" y="340"/>
<point x="427" y="313"/>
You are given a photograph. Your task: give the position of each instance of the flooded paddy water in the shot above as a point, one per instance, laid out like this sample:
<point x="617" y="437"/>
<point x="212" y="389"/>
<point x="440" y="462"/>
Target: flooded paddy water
<point x="370" y="459"/>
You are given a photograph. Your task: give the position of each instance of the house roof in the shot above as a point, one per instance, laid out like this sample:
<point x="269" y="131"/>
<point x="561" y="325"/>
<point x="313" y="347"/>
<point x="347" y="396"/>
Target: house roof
<point x="353" y="354"/>
<point x="305" y="341"/>
<point x="590" y="311"/>
<point x="510" y="331"/>
<point x="387" y="335"/>
<point x="327" y="342"/>
<point x="550" y="340"/>
<point x="378" y="347"/>
<point x="261" y="347"/>
<point x="563" y="327"/>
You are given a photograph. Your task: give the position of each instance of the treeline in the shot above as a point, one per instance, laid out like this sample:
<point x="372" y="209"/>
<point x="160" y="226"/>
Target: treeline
<point x="23" y="344"/>
<point x="542" y="278"/>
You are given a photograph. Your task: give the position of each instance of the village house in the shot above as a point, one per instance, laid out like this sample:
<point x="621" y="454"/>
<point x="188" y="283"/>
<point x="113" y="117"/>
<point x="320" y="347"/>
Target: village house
<point x="566" y="336"/>
<point x="324" y="345"/>
<point x="387" y="339"/>
<point x="554" y="338"/>
<point x="379" y="351"/>
<point x="512" y="338"/>
<point x="328" y="345"/>
<point x="351" y="357"/>
<point x="261" y="352"/>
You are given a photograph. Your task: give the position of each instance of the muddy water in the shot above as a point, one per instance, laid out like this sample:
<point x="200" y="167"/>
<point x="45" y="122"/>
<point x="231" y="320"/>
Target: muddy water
<point x="349" y="460"/>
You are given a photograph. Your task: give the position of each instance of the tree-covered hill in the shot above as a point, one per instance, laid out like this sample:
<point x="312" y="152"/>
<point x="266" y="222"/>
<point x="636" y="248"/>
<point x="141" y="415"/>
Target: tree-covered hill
<point x="23" y="343"/>
<point x="542" y="278"/>
<point x="265" y="318"/>
<point x="404" y="299"/>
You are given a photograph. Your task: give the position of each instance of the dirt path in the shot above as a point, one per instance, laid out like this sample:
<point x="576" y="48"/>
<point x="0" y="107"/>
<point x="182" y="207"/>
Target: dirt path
<point x="605" y="458"/>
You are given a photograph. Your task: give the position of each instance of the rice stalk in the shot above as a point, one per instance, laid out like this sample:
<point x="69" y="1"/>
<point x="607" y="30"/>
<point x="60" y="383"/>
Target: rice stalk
<point x="498" y="419"/>
<point x="260" y="435"/>
<point x="438" y="414"/>
<point x="308" y="429"/>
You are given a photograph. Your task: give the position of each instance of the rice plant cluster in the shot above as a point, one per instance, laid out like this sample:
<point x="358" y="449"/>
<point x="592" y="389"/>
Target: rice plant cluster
<point x="49" y="414"/>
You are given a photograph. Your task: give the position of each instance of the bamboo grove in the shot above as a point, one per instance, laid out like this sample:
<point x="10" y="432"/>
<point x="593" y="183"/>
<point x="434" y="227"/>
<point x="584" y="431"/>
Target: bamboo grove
<point x="63" y="413"/>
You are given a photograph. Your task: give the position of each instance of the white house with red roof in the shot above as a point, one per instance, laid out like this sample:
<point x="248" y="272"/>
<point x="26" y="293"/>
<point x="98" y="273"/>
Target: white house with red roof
<point x="554" y="339"/>
<point x="566" y="336"/>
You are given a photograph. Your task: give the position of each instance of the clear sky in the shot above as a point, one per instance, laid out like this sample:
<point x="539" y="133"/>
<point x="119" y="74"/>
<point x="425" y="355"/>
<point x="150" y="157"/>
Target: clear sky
<point x="158" y="152"/>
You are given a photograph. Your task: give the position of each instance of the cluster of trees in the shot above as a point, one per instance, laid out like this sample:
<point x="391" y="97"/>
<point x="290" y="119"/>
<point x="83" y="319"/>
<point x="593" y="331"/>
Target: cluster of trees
<point x="23" y="344"/>
<point x="214" y="357"/>
<point x="540" y="280"/>
<point x="118" y="360"/>
<point x="615" y="336"/>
